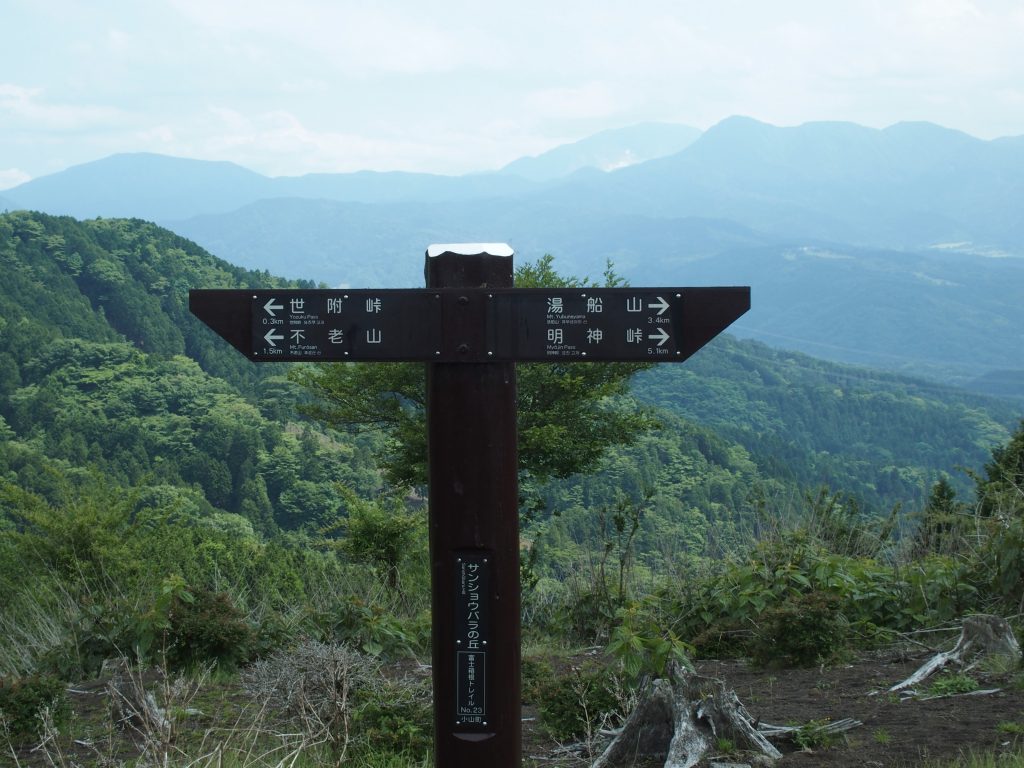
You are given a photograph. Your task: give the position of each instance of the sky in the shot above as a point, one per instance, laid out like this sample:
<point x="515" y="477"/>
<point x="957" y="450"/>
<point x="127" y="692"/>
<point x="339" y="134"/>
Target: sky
<point x="451" y="86"/>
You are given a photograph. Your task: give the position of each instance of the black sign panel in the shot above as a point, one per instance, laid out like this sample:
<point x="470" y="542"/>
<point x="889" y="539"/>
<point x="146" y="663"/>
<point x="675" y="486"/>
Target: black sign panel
<point x="508" y="325"/>
<point x="588" y="324"/>
<point x="340" y="325"/>
<point x="472" y="637"/>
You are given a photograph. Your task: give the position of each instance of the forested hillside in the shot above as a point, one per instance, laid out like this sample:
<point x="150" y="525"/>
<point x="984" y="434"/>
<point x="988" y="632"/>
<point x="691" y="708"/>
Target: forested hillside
<point x="163" y="498"/>
<point x="881" y="437"/>
<point x="105" y="371"/>
<point x="103" y="366"/>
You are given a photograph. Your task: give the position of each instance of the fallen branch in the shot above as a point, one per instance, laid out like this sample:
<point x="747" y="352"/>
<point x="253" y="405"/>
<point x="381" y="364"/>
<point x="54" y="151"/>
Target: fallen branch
<point x="980" y="636"/>
<point x="986" y="692"/>
<point x="824" y="731"/>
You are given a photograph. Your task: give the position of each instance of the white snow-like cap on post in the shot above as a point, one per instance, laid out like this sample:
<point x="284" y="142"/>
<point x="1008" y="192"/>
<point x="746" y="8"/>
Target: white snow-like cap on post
<point x="469" y="249"/>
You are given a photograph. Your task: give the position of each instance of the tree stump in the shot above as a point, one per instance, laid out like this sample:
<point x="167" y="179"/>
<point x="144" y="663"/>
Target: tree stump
<point x="134" y="705"/>
<point x="982" y="635"/>
<point x="679" y="718"/>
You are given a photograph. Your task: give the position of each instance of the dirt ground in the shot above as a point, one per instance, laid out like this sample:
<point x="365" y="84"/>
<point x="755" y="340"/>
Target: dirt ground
<point x="897" y="734"/>
<point x="894" y="733"/>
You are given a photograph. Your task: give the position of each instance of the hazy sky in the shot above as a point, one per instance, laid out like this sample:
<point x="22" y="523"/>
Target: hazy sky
<point x="287" y="87"/>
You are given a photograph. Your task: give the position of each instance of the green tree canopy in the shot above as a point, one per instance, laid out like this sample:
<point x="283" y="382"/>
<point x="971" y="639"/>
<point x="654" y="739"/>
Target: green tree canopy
<point x="1001" y="489"/>
<point x="569" y="414"/>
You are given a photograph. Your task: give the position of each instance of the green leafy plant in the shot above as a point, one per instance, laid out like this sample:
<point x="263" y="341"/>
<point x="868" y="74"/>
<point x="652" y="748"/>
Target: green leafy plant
<point x="643" y="644"/>
<point x="188" y="626"/>
<point x="371" y="628"/>
<point x="724" y="746"/>
<point x="23" y="699"/>
<point x="951" y="684"/>
<point x="813" y="735"/>
<point x="380" y="533"/>
<point x="208" y="628"/>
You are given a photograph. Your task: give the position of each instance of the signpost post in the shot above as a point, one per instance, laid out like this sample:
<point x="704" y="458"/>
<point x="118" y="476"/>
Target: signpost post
<point x="472" y="326"/>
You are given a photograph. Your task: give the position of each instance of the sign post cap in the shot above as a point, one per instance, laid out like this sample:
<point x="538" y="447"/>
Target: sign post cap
<point x="469" y="249"/>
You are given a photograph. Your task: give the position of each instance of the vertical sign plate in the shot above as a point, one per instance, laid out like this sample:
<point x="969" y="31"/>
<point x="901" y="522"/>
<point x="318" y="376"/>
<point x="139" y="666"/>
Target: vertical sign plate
<point x="472" y="637"/>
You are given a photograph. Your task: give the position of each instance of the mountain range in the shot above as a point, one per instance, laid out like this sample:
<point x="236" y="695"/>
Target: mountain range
<point x="898" y="248"/>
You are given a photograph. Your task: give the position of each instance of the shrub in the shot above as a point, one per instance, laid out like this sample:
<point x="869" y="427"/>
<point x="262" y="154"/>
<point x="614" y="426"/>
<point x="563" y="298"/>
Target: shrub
<point x="314" y="685"/>
<point x="721" y="640"/>
<point x="571" y="705"/>
<point x="802" y="632"/>
<point x="395" y="717"/>
<point x="22" y="700"/>
<point x="536" y="671"/>
<point x="186" y="627"/>
<point x="207" y="628"/>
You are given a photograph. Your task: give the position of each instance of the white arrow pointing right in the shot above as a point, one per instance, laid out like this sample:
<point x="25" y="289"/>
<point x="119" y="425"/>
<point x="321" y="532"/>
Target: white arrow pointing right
<point x="661" y="305"/>
<point x="271" y="337"/>
<point x="662" y="336"/>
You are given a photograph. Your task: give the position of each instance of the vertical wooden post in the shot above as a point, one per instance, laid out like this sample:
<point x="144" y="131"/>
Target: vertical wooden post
<point x="474" y="527"/>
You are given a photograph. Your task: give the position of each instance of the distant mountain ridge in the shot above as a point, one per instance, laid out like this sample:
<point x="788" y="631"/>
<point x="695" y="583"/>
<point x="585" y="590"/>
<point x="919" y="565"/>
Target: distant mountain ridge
<point x="861" y="245"/>
<point x="908" y="185"/>
<point x="164" y="188"/>
<point x="606" y="151"/>
<point x="142" y="185"/>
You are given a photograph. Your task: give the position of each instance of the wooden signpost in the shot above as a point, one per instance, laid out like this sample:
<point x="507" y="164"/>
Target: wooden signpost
<point x="472" y="326"/>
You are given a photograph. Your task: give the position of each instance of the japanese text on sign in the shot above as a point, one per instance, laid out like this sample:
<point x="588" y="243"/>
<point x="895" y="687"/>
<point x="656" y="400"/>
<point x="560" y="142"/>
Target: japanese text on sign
<point x="472" y="579"/>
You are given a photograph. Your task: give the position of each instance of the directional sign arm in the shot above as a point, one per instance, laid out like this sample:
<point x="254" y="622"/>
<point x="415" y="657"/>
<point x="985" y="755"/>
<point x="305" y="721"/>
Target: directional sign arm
<point x="514" y="324"/>
<point x="706" y="312"/>
<point x="226" y="311"/>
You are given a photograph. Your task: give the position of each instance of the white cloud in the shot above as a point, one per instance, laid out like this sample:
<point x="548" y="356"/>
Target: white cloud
<point x="456" y="85"/>
<point x="12" y="177"/>
<point x="353" y="38"/>
<point x="279" y="143"/>
<point x="28" y="106"/>
<point x="585" y="101"/>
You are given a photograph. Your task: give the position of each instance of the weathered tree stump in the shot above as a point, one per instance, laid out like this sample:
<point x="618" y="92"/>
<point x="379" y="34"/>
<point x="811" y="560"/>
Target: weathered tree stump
<point x="134" y="705"/>
<point x="679" y="718"/>
<point x="982" y="635"/>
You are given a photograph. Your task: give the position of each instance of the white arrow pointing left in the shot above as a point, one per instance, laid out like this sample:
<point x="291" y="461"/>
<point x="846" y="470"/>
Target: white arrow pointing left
<point x="271" y="337"/>
<point x="662" y="336"/>
<point x="271" y="307"/>
<point x="661" y="305"/>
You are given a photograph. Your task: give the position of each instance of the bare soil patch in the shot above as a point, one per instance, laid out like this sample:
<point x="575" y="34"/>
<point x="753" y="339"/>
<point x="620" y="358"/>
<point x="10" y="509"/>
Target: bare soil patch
<point x="895" y="733"/>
